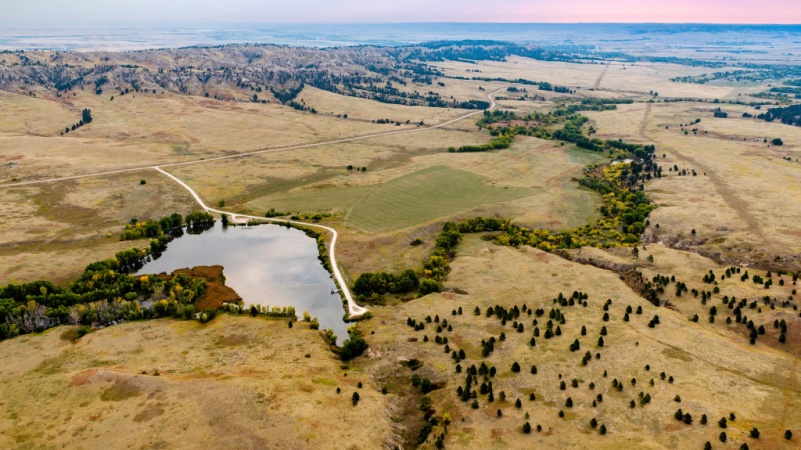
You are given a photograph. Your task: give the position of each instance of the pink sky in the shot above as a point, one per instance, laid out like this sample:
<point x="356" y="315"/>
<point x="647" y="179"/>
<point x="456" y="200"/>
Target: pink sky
<point x="706" y="11"/>
<point x="343" y="11"/>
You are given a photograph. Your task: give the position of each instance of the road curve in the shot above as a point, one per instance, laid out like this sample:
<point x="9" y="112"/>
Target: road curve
<point x="354" y="310"/>
<point x="258" y="152"/>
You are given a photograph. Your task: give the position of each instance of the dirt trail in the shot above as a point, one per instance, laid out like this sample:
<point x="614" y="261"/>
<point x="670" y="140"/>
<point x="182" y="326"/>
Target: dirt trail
<point x="443" y="125"/>
<point x="601" y="77"/>
<point x="729" y="195"/>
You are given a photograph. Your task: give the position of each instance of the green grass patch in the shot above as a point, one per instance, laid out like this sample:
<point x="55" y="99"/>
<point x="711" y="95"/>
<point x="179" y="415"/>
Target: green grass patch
<point x="325" y="381"/>
<point x="413" y="199"/>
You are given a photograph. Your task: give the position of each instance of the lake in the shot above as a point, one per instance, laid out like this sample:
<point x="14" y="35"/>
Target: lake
<point x="269" y="265"/>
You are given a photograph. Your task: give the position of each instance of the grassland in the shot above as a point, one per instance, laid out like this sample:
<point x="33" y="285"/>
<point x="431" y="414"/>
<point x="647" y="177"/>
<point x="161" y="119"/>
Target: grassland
<point x="715" y="371"/>
<point x="54" y="230"/>
<point x="417" y="198"/>
<point x="242" y="382"/>
<point x="728" y="202"/>
<point x="235" y="383"/>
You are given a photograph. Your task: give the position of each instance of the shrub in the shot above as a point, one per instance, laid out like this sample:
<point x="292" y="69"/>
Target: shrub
<point x="427" y="286"/>
<point x="351" y="348"/>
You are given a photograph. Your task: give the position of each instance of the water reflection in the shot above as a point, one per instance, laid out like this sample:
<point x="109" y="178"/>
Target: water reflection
<point x="267" y="265"/>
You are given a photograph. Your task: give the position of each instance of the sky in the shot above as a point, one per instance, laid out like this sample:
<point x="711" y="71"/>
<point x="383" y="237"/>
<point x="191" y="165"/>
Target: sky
<point x="113" y="12"/>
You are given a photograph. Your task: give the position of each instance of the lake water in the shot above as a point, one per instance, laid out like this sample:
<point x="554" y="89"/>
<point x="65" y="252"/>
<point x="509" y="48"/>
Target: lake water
<point x="267" y="265"/>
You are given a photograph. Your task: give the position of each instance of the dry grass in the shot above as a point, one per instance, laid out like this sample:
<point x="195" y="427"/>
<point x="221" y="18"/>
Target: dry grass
<point x="626" y="79"/>
<point x="54" y="230"/>
<point x="715" y="371"/>
<point x="241" y="382"/>
<point x="738" y="203"/>
<point x="236" y="382"/>
<point x="368" y="110"/>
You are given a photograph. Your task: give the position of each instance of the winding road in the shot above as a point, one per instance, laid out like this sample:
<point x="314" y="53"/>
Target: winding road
<point x="354" y="310"/>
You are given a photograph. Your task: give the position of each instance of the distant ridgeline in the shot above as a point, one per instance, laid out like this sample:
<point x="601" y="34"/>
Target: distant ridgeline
<point x="105" y="293"/>
<point x="278" y="73"/>
<point x="624" y="211"/>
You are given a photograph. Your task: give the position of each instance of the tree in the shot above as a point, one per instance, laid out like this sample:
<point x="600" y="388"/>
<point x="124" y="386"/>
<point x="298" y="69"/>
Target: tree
<point x="755" y="433"/>
<point x="722" y="436"/>
<point x="602" y="430"/>
<point x="86" y="116"/>
<point x="635" y="253"/>
<point x="788" y="434"/>
<point x="352" y="348"/>
<point x="515" y="367"/>
<point x="569" y="402"/>
<point x="355" y="398"/>
<point x="499" y="413"/>
<point x="777" y="142"/>
<point x="518" y="403"/>
<point x="426" y="386"/>
<point x="526" y="427"/>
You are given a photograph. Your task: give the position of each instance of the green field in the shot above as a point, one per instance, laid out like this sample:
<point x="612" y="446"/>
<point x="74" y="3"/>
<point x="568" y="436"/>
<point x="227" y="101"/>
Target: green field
<point x="412" y="199"/>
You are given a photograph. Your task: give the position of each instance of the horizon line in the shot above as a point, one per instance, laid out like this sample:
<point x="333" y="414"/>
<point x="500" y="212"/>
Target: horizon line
<point x="194" y="23"/>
